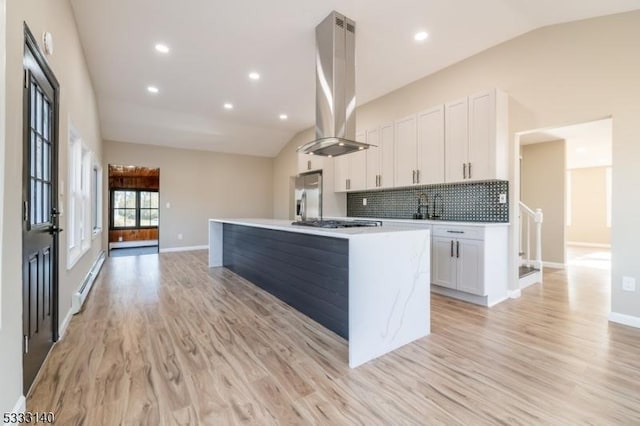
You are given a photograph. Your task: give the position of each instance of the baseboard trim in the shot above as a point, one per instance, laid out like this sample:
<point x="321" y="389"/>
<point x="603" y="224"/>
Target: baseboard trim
<point x="594" y="245"/>
<point x="188" y="248"/>
<point x="624" y="319"/>
<point x="65" y="324"/>
<point x="553" y="265"/>
<point x="515" y="294"/>
<point x="128" y="244"/>
<point x="21" y="405"/>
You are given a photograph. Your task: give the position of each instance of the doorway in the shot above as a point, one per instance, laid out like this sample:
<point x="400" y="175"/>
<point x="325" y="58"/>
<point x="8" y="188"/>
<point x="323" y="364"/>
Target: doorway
<point x="40" y="230"/>
<point x="134" y="210"/>
<point x="566" y="171"/>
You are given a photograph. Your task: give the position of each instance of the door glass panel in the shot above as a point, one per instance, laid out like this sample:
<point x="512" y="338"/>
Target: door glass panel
<point x="32" y="169"/>
<point x="39" y="111"/>
<point x="45" y="120"/>
<point x="32" y="202"/>
<point x="38" y="202"/>
<point x="32" y="103"/>
<point x="46" y="152"/>
<point x="38" y="155"/>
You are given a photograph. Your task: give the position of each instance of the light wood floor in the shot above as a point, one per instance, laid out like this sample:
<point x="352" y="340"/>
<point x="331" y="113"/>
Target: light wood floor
<point x="164" y="341"/>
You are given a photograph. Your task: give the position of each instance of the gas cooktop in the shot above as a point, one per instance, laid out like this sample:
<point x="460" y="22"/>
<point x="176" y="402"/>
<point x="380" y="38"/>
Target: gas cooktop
<point x="337" y="223"/>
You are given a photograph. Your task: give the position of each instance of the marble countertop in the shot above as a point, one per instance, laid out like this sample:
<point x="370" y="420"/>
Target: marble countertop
<point x="285" y="225"/>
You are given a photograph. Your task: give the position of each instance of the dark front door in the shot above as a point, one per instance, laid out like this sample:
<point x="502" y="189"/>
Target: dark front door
<point x="40" y="222"/>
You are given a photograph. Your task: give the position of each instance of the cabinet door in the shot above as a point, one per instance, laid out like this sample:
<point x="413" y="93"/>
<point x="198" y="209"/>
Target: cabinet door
<point x="431" y="146"/>
<point x="470" y="266"/>
<point x="307" y="162"/>
<point x="357" y="170"/>
<point x="456" y="140"/>
<point x="406" y="148"/>
<point x="373" y="158"/>
<point x="482" y="136"/>
<point x="387" y="154"/>
<point x="340" y="173"/>
<point x="443" y="265"/>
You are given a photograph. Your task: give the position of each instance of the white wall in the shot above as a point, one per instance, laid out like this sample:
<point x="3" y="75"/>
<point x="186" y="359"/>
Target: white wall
<point x="589" y="206"/>
<point x="78" y="103"/>
<point x="555" y="76"/>
<point x="199" y="185"/>
<point x="543" y="187"/>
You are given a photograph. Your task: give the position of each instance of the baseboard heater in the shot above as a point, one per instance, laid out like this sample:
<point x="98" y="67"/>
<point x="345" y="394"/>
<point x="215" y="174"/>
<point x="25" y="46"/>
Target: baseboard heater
<point x="77" y="300"/>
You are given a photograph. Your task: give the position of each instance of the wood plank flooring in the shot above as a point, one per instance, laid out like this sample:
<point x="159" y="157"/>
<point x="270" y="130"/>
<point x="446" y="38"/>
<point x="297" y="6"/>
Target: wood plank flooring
<point x="163" y="340"/>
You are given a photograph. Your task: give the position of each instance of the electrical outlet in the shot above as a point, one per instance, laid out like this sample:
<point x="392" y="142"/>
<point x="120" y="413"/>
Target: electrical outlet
<point x="179" y="236"/>
<point x="364" y="201"/>
<point x="502" y="199"/>
<point x="628" y="284"/>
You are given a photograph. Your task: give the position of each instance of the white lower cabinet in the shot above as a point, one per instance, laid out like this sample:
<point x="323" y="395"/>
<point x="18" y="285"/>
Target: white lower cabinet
<point x="461" y="266"/>
<point x="457" y="264"/>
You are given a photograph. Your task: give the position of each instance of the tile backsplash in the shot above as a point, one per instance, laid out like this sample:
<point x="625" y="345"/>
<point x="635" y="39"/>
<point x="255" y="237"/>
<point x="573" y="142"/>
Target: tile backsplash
<point x="468" y="201"/>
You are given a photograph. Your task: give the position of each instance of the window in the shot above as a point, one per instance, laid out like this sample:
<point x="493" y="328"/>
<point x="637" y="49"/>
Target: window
<point x="96" y="199"/>
<point x="79" y="198"/>
<point x="134" y="208"/>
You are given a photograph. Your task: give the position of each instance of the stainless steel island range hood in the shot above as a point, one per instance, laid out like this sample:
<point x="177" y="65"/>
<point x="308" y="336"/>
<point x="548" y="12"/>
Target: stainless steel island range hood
<point x="335" y="89"/>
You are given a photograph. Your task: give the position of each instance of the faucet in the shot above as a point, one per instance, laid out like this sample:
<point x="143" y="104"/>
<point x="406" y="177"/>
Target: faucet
<point x="437" y="212"/>
<point x="419" y="214"/>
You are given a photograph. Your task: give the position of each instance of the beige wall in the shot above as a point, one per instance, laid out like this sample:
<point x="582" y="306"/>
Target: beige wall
<point x="286" y="165"/>
<point x="558" y="75"/>
<point x="589" y="206"/>
<point x="543" y="187"/>
<point x="199" y="185"/>
<point x="78" y="104"/>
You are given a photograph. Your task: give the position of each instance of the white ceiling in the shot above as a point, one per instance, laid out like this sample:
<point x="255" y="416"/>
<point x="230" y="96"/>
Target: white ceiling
<point x="587" y="144"/>
<point x="216" y="43"/>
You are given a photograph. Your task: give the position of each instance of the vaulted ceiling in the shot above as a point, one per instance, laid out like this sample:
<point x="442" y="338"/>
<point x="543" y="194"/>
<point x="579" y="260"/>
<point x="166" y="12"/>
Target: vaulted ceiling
<point x="215" y="44"/>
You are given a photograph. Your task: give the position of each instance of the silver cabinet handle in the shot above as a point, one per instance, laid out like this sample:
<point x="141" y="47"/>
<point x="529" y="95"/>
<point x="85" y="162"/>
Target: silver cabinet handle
<point x="469" y="170"/>
<point x="457" y="248"/>
<point x="417" y="176"/>
<point x="379" y="180"/>
<point x="414" y="176"/>
<point x="464" y="170"/>
<point x="348" y="184"/>
<point x="451" y="248"/>
<point x="309" y="165"/>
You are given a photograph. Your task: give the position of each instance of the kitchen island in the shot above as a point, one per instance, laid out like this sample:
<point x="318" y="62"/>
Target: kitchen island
<point x="368" y="285"/>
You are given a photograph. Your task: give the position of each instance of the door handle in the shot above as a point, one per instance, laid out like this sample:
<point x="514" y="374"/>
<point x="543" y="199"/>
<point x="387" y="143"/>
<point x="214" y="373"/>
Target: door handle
<point x="464" y="170"/>
<point x="457" y="248"/>
<point x="54" y="230"/>
<point x="451" y="248"/>
<point x="55" y="212"/>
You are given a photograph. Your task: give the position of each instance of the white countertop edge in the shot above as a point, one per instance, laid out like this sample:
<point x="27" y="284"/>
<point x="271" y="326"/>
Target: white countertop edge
<point x="345" y="233"/>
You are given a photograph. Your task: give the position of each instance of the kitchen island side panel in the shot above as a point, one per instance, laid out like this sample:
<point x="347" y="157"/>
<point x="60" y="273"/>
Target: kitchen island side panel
<point x="308" y="272"/>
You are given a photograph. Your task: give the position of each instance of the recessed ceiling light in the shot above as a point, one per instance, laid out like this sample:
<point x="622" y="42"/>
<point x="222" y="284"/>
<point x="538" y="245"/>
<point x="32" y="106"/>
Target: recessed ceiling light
<point x="254" y="76"/>
<point x="329" y="156"/>
<point x="283" y="116"/>
<point x="162" y="48"/>
<point x="421" y="36"/>
<point x="228" y="106"/>
<point x="341" y="144"/>
<point x="152" y="89"/>
<point x="360" y="148"/>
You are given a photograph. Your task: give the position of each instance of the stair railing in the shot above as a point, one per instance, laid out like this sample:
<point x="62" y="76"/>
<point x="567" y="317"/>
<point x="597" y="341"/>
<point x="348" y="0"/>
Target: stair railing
<point x="528" y="215"/>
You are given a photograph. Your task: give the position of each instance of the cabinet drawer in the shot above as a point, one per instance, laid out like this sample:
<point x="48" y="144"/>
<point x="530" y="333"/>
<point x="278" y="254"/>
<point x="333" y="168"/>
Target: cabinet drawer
<point x="469" y="232"/>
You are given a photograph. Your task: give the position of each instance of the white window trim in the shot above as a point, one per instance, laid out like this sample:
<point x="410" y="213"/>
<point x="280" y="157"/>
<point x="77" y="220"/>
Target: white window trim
<point x="609" y="190"/>
<point x="3" y="27"/>
<point x="78" y="197"/>
<point x="96" y="204"/>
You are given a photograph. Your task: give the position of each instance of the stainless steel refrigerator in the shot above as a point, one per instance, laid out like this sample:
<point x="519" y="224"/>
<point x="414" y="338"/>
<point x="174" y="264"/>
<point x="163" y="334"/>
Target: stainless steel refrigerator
<point x="308" y="196"/>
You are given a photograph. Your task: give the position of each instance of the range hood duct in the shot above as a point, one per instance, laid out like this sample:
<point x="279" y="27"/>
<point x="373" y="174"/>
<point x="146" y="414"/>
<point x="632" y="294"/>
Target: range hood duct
<point x="335" y="89"/>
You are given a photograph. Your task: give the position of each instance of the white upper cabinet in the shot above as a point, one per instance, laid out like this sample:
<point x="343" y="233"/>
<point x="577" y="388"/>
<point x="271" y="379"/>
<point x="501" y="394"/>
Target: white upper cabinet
<point x="350" y="170"/>
<point x="308" y="162"/>
<point x="406" y="149"/>
<point x="476" y="137"/>
<point x="456" y="140"/>
<point x="430" y="166"/>
<point x="380" y="157"/>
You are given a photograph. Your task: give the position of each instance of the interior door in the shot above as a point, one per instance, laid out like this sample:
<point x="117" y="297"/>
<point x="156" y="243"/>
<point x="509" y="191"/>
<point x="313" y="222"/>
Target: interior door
<point x="40" y="223"/>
